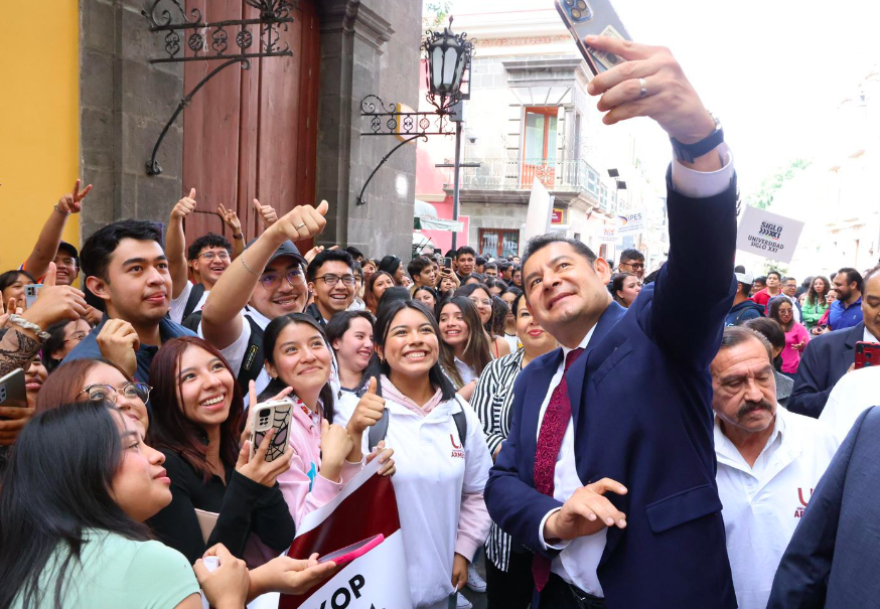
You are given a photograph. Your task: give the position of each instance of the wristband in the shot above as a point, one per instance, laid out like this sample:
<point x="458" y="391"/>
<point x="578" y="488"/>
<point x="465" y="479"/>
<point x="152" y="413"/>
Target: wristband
<point x="63" y="213"/>
<point x="21" y="322"/>
<point x="238" y="236"/>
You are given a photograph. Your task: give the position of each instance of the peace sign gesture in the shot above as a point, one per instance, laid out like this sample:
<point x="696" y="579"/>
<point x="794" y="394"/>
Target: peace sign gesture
<point x="230" y="219"/>
<point x="72" y="203"/>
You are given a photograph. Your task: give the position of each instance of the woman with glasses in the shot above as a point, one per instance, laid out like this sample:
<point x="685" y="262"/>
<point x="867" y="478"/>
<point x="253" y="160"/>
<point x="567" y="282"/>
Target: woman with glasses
<point x="464" y="344"/>
<point x="509" y="565"/>
<point x="479" y="295"/>
<point x="63" y="337"/>
<point x="96" y="380"/>
<point x="796" y="336"/>
<point x="219" y="494"/>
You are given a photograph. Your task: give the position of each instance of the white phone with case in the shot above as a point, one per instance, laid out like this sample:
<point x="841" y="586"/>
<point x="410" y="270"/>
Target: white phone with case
<point x="271" y="415"/>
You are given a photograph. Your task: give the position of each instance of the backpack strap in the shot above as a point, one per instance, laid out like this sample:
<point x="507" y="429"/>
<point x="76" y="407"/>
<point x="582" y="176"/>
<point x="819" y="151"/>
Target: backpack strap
<point x="460" y="421"/>
<point x="252" y="363"/>
<point x="378" y="431"/>
<point x="195" y="295"/>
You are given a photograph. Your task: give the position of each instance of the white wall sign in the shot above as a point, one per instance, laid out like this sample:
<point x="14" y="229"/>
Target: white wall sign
<point x="631" y="224"/>
<point x="768" y="235"/>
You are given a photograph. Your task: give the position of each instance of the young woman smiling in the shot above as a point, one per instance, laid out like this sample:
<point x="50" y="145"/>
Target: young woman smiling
<point x="351" y="336"/>
<point x="324" y="456"/>
<point x="796" y="336"/>
<point x="376" y="286"/>
<point x="465" y="346"/>
<point x="441" y="476"/>
<point x="509" y="565"/>
<point x="197" y="409"/>
<point x="479" y="295"/>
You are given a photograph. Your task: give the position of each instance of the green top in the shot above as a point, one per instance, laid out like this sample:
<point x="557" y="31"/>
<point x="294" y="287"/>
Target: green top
<point x="811" y="314"/>
<point x="115" y="572"/>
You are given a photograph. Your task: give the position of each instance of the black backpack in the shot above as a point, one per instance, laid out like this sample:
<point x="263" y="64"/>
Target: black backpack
<point x="195" y="295"/>
<point x="378" y="431"/>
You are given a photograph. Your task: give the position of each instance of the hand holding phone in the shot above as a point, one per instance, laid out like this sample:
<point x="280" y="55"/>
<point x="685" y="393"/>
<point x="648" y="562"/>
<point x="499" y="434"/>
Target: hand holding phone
<point x="867" y="354"/>
<point x="593" y="18"/>
<point x="276" y="416"/>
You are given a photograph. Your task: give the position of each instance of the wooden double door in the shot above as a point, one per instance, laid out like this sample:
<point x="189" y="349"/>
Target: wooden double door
<point x="252" y="133"/>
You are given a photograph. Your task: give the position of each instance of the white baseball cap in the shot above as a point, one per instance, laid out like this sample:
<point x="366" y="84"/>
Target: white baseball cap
<point x="745" y="278"/>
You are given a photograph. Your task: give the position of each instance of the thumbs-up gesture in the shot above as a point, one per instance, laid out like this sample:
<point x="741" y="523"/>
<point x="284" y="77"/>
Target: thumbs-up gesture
<point x="55" y="302"/>
<point x="71" y="203"/>
<point x="267" y="213"/>
<point x="336" y="445"/>
<point x="184" y="207"/>
<point x="368" y="411"/>
<point x="302" y="222"/>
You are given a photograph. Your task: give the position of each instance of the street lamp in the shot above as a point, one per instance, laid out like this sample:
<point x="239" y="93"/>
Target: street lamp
<point x="449" y="56"/>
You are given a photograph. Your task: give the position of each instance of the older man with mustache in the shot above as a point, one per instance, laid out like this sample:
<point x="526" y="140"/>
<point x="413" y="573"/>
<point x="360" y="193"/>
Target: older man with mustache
<point x="769" y="462"/>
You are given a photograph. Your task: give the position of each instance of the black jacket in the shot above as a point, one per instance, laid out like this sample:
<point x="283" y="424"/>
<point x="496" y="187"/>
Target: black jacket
<point x="742" y="312"/>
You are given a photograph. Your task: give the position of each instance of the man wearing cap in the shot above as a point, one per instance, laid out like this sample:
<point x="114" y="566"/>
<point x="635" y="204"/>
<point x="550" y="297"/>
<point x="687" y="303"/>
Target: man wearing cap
<point x="266" y="281"/>
<point x="743" y="308"/>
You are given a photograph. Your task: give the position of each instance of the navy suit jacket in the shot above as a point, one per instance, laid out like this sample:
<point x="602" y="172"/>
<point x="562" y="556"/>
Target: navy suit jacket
<point x="641" y="407"/>
<point x="826" y="359"/>
<point x="832" y="558"/>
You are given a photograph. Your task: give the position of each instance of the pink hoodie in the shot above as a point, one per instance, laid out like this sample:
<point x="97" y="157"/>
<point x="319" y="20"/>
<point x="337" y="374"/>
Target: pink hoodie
<point x="303" y="488"/>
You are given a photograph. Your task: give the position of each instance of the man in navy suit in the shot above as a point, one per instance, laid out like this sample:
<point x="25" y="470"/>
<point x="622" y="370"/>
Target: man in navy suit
<point x="608" y="472"/>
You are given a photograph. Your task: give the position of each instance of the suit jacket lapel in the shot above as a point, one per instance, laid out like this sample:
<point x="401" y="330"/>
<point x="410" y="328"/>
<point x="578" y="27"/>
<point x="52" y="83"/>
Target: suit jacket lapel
<point x="536" y="392"/>
<point x="578" y="372"/>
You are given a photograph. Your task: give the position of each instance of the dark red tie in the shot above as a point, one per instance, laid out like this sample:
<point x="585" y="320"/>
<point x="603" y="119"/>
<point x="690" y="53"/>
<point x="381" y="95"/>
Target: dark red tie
<point x="553" y="428"/>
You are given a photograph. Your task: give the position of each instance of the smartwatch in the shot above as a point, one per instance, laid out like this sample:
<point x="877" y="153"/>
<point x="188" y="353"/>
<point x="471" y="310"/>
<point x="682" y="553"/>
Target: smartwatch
<point x="686" y="153"/>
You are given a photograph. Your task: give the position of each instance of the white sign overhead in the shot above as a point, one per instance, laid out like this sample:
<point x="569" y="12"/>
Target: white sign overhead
<point x="631" y="224"/>
<point x="768" y="235"/>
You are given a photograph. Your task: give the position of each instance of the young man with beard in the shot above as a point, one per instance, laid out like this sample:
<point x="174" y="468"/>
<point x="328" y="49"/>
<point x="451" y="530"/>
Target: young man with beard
<point x="612" y="482"/>
<point x="331" y="280"/>
<point x="266" y="281"/>
<point x="769" y="460"/>
<point x="846" y="311"/>
<point x="126" y="270"/>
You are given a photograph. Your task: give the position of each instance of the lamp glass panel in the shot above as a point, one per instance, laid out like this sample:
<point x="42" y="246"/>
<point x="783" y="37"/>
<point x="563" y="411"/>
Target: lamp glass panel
<point x="449" y="67"/>
<point x="437" y="69"/>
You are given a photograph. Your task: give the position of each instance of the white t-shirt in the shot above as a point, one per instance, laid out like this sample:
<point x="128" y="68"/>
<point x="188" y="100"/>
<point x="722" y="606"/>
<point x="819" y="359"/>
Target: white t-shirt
<point x="178" y="305"/>
<point x="853" y="394"/>
<point x="466" y="373"/>
<point x="764" y="503"/>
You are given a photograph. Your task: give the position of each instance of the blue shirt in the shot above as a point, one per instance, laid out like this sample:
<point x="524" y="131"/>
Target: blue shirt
<point x="842" y="316"/>
<point x="88" y="347"/>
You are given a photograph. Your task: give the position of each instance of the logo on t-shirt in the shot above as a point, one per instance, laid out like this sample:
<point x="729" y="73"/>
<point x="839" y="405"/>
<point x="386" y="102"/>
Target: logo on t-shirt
<point x="457" y="450"/>
<point x="799" y="511"/>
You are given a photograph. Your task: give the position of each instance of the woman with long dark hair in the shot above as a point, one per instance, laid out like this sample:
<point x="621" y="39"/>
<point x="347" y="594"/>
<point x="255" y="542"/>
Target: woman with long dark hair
<point x="325" y="455"/>
<point x="438" y="486"/>
<point x="12" y="287"/>
<point x="796" y="336"/>
<point x="815" y="304"/>
<point x="376" y="286"/>
<point x="220" y="495"/>
<point x="426" y="295"/>
<point x="63" y="337"/>
<point x="478" y="294"/>
<point x="464" y="351"/>
<point x="351" y="335"/>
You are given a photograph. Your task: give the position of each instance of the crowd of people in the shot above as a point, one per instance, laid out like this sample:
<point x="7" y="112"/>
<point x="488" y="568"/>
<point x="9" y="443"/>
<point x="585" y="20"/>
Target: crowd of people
<point x="612" y="444"/>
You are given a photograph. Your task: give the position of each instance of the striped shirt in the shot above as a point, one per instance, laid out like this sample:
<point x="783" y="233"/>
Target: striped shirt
<point x="492" y="402"/>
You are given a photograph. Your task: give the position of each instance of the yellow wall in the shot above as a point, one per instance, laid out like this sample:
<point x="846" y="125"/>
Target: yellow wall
<point x="39" y="120"/>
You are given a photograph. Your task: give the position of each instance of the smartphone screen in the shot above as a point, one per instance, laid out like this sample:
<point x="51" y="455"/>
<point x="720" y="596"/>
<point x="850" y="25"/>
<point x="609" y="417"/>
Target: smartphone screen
<point x="447" y="263"/>
<point x="13" y="392"/>
<point x="597" y="18"/>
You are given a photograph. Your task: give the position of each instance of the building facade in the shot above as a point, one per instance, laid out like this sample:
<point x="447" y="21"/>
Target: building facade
<point x="286" y="131"/>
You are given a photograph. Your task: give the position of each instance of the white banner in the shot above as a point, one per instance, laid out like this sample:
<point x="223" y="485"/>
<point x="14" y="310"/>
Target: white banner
<point x="609" y="235"/>
<point x="378" y="579"/>
<point x="631" y="224"/>
<point x="768" y="235"/>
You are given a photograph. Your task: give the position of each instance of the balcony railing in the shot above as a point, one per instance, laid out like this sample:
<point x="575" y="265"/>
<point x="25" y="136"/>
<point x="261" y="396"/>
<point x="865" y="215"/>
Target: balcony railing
<point x="576" y="176"/>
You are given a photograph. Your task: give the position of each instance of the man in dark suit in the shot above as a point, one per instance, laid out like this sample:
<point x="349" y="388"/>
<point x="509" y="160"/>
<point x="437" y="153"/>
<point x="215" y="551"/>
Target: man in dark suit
<point x="831" y="560"/>
<point x="830" y="356"/>
<point x="624" y="407"/>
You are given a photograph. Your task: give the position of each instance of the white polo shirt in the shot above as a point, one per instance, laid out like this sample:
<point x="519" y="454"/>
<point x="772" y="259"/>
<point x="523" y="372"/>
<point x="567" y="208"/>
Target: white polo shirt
<point x="764" y="503"/>
<point x="853" y="394"/>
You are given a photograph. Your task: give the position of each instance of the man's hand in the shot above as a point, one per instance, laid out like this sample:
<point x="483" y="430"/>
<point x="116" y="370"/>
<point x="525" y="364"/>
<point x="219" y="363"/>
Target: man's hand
<point x="669" y="99"/>
<point x="118" y="342"/>
<point x="184" y="207"/>
<point x="368" y="410"/>
<point x="230" y="219"/>
<point x="55" y="302"/>
<point x="18" y="418"/>
<point x="267" y="213"/>
<point x="302" y="222"/>
<point x="227" y="586"/>
<point x="72" y="203"/>
<point x="93" y="316"/>
<point x="586" y="512"/>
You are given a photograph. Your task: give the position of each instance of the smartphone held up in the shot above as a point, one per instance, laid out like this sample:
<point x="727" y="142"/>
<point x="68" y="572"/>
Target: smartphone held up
<point x="268" y="416"/>
<point x="593" y="18"/>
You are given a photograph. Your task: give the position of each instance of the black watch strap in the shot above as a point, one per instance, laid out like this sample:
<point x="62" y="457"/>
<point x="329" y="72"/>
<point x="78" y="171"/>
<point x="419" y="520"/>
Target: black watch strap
<point x="686" y="153"/>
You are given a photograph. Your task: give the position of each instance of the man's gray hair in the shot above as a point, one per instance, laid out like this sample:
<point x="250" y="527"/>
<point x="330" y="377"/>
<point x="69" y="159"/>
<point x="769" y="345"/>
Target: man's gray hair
<point x="737" y="335"/>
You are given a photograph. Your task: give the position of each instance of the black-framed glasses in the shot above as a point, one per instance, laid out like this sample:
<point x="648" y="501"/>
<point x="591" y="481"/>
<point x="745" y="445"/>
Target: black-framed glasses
<point x="271" y="281"/>
<point x="77" y="337"/>
<point x="330" y="279"/>
<point x="101" y="392"/>
<point x="209" y="256"/>
<point x="638" y="266"/>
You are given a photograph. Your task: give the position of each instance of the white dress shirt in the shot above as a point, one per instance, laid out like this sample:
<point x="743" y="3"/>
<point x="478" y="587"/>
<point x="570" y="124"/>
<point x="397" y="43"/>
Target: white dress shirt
<point x="854" y="393"/>
<point x="578" y="561"/>
<point x="764" y="503"/>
